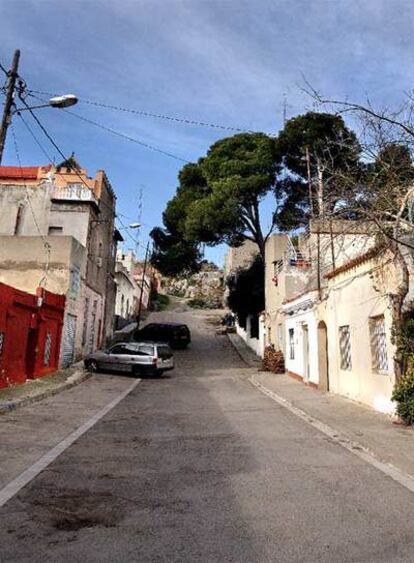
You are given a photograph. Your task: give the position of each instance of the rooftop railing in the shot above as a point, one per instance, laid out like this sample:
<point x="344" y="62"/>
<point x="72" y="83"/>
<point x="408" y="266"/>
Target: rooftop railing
<point x="74" y="192"/>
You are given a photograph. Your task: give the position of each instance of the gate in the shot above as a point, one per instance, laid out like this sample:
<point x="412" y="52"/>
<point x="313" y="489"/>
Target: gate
<point x="68" y="349"/>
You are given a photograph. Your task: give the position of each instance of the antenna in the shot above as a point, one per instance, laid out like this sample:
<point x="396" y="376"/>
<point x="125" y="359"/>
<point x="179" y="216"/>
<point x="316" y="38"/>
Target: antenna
<point x="284" y="108"/>
<point x="139" y="219"/>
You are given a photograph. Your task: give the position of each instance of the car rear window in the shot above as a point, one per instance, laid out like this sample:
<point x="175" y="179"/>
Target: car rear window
<point x="164" y="352"/>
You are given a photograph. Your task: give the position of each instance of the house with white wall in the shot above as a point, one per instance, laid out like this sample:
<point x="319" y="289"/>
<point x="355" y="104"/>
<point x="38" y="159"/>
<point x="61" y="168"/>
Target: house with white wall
<point x="339" y="337"/>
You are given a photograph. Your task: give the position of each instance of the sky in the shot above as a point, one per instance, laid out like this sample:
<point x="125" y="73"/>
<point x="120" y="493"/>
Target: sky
<point x="228" y="62"/>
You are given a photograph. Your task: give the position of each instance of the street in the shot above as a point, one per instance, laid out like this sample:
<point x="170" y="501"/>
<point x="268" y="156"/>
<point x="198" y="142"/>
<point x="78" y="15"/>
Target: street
<point x="201" y="466"/>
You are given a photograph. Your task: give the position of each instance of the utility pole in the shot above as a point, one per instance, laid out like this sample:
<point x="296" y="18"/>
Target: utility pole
<point x="142" y="285"/>
<point x="11" y="84"/>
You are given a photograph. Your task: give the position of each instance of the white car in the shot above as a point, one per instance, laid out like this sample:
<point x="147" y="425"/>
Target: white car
<point x="140" y="358"/>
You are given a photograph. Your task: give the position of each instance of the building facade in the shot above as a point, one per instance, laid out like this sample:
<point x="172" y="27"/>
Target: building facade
<point x="47" y="206"/>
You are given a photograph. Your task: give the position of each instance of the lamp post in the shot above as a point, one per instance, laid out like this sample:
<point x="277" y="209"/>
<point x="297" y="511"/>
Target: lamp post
<point x="61" y="102"/>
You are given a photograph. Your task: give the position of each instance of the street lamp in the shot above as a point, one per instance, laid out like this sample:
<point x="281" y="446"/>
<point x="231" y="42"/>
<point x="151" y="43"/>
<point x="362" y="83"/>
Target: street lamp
<point x="130" y="226"/>
<point x="64" y="101"/>
<point x="59" y="102"/>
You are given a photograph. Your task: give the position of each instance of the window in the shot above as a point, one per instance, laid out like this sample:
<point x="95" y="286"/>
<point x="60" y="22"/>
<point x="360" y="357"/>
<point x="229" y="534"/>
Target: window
<point x="48" y="347"/>
<point x="254" y="326"/>
<point x="164" y="352"/>
<point x="85" y="321"/>
<point x="55" y="231"/>
<point x="291" y="344"/>
<point x="378" y="344"/>
<point x="345" y="347"/>
<point x="1" y="342"/>
<point x="119" y="349"/>
<point x="74" y="283"/>
<point x="146" y="350"/>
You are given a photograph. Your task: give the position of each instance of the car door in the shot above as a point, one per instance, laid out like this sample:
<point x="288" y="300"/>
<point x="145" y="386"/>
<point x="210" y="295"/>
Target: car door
<point x="115" y="358"/>
<point x="131" y="357"/>
<point x="146" y="354"/>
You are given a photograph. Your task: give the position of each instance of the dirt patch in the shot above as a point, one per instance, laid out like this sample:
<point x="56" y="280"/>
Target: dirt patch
<point x="213" y="320"/>
<point x="69" y="510"/>
<point x="74" y="523"/>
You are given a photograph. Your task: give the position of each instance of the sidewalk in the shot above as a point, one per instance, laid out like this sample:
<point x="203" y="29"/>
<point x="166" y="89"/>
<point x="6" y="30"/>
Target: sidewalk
<point x="34" y="390"/>
<point x="388" y="442"/>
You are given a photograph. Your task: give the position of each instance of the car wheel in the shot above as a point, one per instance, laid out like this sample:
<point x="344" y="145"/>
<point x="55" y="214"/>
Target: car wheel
<point x="92" y="366"/>
<point x="136" y="371"/>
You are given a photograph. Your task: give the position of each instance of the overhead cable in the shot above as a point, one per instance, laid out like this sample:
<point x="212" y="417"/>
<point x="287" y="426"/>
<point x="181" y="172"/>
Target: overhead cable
<point x="46" y="245"/>
<point x="118" y="133"/>
<point x="144" y="113"/>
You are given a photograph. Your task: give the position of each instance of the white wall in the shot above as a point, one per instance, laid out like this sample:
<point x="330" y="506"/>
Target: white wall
<point x="297" y="365"/>
<point x="352" y="301"/>
<point x="256" y="344"/>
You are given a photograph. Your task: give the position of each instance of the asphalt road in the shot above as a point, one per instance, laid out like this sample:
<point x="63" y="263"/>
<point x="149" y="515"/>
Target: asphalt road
<point x="200" y="466"/>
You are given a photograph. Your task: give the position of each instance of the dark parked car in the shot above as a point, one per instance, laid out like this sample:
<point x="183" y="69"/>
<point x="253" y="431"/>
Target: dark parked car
<point x="141" y="358"/>
<point x="177" y="335"/>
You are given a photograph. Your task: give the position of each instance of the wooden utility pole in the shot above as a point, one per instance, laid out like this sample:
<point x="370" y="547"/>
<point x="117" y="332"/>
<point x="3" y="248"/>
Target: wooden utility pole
<point x="308" y="166"/>
<point x="8" y="104"/>
<point x="142" y="285"/>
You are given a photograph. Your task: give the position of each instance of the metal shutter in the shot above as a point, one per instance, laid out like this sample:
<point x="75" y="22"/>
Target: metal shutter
<point x="68" y="350"/>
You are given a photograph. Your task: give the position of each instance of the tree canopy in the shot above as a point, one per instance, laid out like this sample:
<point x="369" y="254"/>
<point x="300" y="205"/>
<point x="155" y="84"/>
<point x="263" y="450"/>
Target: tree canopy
<point x="310" y="147"/>
<point x="218" y="198"/>
<point x="246" y="290"/>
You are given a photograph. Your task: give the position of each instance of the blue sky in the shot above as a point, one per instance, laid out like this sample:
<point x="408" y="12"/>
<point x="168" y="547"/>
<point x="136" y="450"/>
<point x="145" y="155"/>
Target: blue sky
<point x="227" y="62"/>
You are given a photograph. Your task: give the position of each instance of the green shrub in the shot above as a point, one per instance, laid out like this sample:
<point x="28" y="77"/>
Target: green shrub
<point x="403" y="395"/>
<point x="161" y="302"/>
<point x="197" y="303"/>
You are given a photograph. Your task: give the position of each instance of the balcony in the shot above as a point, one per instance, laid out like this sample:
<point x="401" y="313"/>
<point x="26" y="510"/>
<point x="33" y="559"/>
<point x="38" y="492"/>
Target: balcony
<point x="74" y="193"/>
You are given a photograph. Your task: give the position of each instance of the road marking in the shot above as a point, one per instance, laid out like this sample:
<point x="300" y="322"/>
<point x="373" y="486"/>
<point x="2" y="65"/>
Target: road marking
<point x="356" y="448"/>
<point x="31" y="472"/>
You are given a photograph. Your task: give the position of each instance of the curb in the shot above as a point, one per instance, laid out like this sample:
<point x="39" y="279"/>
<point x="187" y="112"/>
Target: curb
<point x="239" y="348"/>
<point x="340" y="438"/>
<point x="14" y="405"/>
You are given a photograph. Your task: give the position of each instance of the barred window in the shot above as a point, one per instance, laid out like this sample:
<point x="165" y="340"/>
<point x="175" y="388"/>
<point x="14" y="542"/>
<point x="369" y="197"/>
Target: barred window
<point x="48" y="346"/>
<point x="74" y="283"/>
<point x="345" y="347"/>
<point x="378" y="344"/>
<point x="291" y="344"/>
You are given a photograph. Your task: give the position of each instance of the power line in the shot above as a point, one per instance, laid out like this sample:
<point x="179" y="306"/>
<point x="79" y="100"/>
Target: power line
<point x="101" y="202"/>
<point x="119" y="133"/>
<point x="185" y="121"/>
<point x="39" y="144"/>
<point x="135" y="241"/>
<point x="117" y="215"/>
<point x="46" y="245"/>
<point x="6" y="72"/>
<point x="125" y="136"/>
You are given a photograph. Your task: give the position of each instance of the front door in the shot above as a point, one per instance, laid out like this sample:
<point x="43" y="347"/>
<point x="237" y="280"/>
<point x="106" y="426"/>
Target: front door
<point x="31" y="352"/>
<point x="323" y="356"/>
<point x="306" y="352"/>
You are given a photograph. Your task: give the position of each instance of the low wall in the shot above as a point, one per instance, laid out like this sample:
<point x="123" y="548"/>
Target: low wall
<point x="256" y="344"/>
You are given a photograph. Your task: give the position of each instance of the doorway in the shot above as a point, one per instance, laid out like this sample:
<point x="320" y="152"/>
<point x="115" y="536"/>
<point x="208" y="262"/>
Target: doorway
<point x="31" y="352"/>
<point x="323" y="356"/>
<point x="305" y="332"/>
